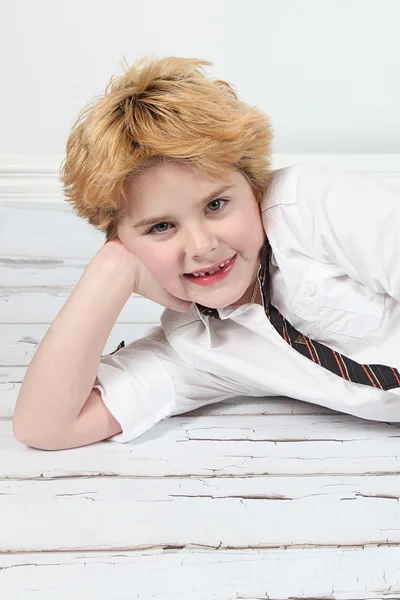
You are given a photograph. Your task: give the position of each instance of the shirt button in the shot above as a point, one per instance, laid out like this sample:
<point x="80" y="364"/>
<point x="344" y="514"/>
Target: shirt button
<point x="311" y="290"/>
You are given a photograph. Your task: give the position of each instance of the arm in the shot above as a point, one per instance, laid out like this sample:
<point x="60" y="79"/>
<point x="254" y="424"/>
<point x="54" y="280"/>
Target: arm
<point x="60" y="378"/>
<point x="59" y="405"/>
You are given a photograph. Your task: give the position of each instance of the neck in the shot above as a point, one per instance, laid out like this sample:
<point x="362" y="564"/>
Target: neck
<point x="254" y="288"/>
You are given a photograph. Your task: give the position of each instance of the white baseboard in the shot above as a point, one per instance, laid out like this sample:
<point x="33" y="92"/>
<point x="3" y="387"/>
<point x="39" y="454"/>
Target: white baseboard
<point x="26" y="177"/>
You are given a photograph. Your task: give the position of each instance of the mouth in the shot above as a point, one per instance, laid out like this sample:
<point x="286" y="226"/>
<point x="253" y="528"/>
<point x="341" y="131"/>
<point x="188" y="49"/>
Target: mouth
<point x="211" y="270"/>
<point x="214" y="275"/>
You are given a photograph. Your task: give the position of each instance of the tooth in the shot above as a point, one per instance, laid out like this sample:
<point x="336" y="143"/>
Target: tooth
<point x="221" y="266"/>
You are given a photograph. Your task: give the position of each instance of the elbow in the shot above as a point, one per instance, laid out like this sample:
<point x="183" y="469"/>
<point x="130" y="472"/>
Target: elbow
<point x="19" y="432"/>
<point x="34" y="437"/>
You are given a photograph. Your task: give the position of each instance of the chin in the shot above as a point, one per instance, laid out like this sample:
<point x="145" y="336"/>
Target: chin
<point x="224" y="302"/>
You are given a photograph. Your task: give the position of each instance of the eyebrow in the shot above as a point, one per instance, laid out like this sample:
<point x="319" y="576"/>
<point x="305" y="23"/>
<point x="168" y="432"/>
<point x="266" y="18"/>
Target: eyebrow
<point x="163" y="218"/>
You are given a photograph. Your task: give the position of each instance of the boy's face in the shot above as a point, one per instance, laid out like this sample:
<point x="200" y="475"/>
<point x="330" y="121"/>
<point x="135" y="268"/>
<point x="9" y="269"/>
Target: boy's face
<point x="198" y="228"/>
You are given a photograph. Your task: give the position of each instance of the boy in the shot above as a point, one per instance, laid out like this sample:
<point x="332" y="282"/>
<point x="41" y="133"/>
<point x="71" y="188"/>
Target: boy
<point x="275" y="283"/>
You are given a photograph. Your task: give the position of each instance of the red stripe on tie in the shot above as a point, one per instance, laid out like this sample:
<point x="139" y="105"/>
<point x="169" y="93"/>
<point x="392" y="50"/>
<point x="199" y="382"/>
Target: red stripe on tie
<point x="395" y="374"/>
<point x="309" y="349"/>
<point x="339" y="365"/>
<point x="369" y="377"/>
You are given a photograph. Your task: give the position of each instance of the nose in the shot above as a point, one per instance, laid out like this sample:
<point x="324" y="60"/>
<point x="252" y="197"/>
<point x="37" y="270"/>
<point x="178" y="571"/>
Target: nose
<point x="200" y="241"/>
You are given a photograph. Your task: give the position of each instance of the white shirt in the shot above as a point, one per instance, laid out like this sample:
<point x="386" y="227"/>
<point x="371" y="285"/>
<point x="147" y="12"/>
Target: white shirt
<point x="335" y="276"/>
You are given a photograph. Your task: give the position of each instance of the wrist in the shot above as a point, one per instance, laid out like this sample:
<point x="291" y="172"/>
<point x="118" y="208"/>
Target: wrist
<point x="114" y="266"/>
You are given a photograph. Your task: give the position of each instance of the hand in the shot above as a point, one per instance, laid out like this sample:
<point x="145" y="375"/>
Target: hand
<point x="143" y="282"/>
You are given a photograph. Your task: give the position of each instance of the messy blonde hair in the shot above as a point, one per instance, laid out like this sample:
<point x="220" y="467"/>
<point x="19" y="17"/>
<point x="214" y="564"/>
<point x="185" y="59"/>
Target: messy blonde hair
<point x="160" y="109"/>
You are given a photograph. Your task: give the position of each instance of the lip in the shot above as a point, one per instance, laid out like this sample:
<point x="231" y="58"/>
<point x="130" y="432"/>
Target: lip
<point x="219" y="276"/>
<point x="212" y="267"/>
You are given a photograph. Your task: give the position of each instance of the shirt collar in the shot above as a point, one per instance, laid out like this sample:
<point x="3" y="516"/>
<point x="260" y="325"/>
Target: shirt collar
<point x="263" y="278"/>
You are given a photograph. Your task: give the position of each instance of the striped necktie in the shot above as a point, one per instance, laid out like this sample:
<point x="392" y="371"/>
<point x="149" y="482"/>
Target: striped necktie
<point x="379" y="376"/>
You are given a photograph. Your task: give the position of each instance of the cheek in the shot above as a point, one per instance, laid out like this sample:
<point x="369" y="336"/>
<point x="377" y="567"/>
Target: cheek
<point x="158" y="264"/>
<point x="246" y="232"/>
<point x="156" y="258"/>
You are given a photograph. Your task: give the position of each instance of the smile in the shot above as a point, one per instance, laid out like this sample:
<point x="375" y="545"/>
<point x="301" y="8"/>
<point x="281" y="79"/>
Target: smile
<point x="215" y="275"/>
<point x="213" y="269"/>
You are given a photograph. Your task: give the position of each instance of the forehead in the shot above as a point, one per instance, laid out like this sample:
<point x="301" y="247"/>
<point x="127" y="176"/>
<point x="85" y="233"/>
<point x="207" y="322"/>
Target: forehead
<point x="166" y="182"/>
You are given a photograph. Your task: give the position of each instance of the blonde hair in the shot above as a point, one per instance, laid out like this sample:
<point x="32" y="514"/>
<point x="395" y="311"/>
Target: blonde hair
<point x="160" y="109"/>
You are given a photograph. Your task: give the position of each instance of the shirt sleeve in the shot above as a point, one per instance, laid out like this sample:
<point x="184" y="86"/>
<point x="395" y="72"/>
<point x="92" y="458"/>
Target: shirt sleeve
<point x="147" y="381"/>
<point x="352" y="220"/>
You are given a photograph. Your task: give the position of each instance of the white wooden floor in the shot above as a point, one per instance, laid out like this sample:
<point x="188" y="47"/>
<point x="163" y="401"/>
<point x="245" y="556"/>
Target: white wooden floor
<point x="244" y="499"/>
<point x="270" y="499"/>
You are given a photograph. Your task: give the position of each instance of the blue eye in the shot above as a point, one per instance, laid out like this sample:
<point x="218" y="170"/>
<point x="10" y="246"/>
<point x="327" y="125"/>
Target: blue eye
<point x="216" y="209"/>
<point x="158" y="225"/>
<point x="219" y="200"/>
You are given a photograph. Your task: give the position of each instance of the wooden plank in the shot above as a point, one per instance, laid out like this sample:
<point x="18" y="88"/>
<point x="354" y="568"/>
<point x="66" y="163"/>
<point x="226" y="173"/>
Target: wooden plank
<point x="182" y="573"/>
<point x="35" y="272"/>
<point x="227" y="445"/>
<point x="128" y="513"/>
<point x="44" y="231"/>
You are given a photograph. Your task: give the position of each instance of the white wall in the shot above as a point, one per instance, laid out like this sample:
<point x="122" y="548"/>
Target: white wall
<point x="326" y="71"/>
